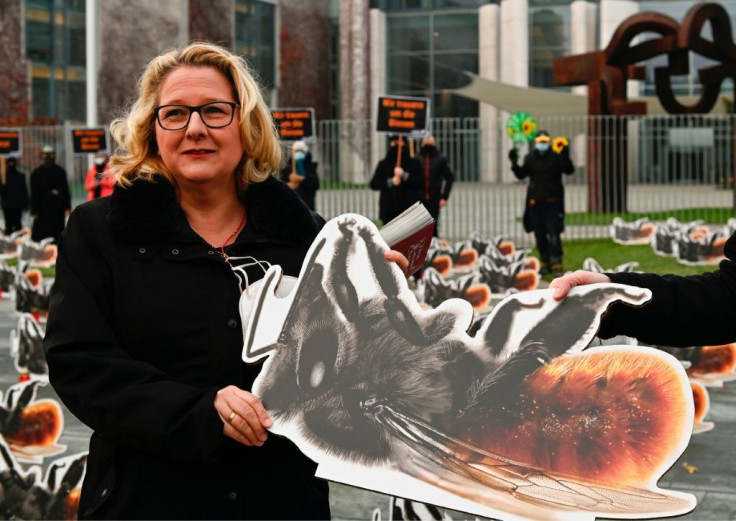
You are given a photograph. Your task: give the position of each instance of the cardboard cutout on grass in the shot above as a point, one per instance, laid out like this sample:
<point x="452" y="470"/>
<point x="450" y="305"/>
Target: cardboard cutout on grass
<point x="517" y="421"/>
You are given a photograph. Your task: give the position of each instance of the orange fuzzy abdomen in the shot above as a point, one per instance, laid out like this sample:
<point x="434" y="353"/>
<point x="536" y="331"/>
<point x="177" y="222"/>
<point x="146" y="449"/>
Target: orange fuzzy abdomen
<point x="611" y="417"/>
<point x="701" y="401"/>
<point x="39" y="424"/>
<point x="715" y="359"/>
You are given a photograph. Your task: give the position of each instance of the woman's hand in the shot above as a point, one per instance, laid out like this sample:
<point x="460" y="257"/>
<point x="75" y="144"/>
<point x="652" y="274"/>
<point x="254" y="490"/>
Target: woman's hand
<point x="563" y="285"/>
<point x="244" y="416"/>
<point x="398" y="258"/>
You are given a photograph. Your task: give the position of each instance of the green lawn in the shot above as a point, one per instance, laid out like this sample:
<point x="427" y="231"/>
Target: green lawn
<point x="708" y="215"/>
<point x="610" y="254"/>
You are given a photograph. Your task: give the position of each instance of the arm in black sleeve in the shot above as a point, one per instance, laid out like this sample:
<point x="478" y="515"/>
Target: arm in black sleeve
<point x="449" y="179"/>
<point x="521" y="171"/>
<point x="684" y="311"/>
<point x="124" y="399"/>
<point x="383" y="173"/>
<point x="311" y="180"/>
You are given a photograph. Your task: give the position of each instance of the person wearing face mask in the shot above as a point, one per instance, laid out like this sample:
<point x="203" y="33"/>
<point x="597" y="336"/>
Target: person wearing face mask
<point x="50" y="199"/>
<point x="14" y="194"/>
<point x="438" y="179"/>
<point x="99" y="182"/>
<point x="300" y="173"/>
<point x="544" y="214"/>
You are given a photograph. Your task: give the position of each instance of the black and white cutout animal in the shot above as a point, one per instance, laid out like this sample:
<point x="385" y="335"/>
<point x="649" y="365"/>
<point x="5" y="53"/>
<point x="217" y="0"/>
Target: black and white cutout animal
<point x="517" y="421"/>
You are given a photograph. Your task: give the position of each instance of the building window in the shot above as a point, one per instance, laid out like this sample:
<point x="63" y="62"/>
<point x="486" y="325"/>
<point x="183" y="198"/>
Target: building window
<point x="255" y="37"/>
<point x="55" y="46"/>
<point x="549" y="38"/>
<point x="428" y="54"/>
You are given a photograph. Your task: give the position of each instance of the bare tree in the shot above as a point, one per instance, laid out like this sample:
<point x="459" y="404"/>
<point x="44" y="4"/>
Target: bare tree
<point x="304" y="56"/>
<point x="212" y="20"/>
<point x="14" y="84"/>
<point x="132" y="32"/>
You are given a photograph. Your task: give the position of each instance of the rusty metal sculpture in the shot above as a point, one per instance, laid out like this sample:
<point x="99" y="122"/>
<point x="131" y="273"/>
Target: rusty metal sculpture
<point x="606" y="72"/>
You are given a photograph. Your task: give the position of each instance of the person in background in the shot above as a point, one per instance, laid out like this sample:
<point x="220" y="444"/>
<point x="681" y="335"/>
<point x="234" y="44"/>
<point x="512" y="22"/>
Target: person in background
<point x="300" y="173"/>
<point x="99" y="182"/>
<point x="438" y="179"/>
<point x="13" y="196"/>
<point x="545" y="198"/>
<point x="50" y="199"/>
<point x="399" y="182"/>
<point x="684" y="311"/>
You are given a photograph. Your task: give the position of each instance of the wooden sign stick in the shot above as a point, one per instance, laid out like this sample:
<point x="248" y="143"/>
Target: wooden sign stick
<point x="398" y="155"/>
<point x="3" y="175"/>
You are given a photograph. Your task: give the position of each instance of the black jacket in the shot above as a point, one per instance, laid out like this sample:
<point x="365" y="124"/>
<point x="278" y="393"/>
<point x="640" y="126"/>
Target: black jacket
<point x="143" y="329"/>
<point x="50" y="200"/>
<point x="14" y="192"/>
<point x="684" y="311"/>
<point x="307" y="189"/>
<point x="395" y="199"/>
<point x="438" y="184"/>
<point x="545" y="175"/>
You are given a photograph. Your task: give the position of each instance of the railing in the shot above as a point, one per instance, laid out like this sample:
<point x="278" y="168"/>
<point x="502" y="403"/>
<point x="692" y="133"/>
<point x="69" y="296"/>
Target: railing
<point x="654" y="164"/>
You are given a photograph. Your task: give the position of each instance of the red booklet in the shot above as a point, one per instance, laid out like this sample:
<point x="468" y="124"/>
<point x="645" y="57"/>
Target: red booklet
<point x="411" y="234"/>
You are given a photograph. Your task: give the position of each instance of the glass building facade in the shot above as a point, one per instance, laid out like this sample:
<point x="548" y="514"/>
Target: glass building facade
<point x="427" y="53"/>
<point x="55" y="46"/>
<point x="549" y="38"/>
<point x="255" y="38"/>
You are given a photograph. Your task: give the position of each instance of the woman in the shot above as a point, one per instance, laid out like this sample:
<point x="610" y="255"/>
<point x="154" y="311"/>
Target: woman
<point x="144" y="336"/>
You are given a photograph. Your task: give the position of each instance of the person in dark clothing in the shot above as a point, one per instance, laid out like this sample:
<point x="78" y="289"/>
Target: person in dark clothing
<point x="438" y="179"/>
<point x="13" y="196"/>
<point x="684" y="311"/>
<point x="50" y="199"/>
<point x="300" y="173"/>
<point x="399" y="181"/>
<point x="544" y="214"/>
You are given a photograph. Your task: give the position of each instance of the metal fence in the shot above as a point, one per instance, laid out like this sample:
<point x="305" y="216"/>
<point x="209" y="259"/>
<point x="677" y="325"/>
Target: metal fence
<point x="653" y="164"/>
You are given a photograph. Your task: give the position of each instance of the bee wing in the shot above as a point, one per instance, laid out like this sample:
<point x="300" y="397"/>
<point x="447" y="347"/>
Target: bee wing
<point x="473" y="470"/>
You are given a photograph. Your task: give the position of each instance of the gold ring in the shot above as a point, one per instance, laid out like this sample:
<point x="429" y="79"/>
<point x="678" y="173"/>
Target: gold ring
<point x="230" y="418"/>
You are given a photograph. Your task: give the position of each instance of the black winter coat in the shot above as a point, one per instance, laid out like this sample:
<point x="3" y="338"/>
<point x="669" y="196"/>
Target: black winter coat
<point x="143" y="330"/>
<point x="545" y="175"/>
<point x="684" y="311"/>
<point x="438" y="184"/>
<point x="14" y="192"/>
<point x="50" y="200"/>
<point x="395" y="199"/>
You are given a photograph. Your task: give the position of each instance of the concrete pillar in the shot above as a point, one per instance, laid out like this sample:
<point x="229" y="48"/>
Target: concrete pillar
<point x="514" y="31"/>
<point x="378" y="54"/>
<point x="514" y="61"/>
<point x="488" y="67"/>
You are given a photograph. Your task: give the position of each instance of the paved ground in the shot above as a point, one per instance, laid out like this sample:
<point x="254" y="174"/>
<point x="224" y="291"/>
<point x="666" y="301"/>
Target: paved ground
<point x="712" y="453"/>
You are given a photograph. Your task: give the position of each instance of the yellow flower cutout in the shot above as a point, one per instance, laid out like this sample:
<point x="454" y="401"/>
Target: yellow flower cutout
<point x="511" y="131"/>
<point x="529" y="127"/>
<point x="559" y="143"/>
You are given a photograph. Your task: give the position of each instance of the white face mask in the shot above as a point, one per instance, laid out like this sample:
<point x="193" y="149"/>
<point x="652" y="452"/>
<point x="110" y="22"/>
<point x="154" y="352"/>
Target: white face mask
<point x="100" y="161"/>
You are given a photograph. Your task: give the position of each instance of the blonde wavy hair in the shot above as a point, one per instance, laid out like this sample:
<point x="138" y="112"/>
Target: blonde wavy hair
<point x="137" y="153"/>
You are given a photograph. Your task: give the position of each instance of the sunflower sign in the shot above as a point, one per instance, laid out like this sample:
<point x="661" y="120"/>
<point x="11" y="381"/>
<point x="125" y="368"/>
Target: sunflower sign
<point x="521" y="128"/>
<point x="560" y="143"/>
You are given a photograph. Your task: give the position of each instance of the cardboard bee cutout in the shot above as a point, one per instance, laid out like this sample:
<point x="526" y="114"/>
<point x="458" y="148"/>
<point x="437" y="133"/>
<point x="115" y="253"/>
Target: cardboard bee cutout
<point x="31" y="428"/>
<point x="28" y="494"/>
<point x="515" y="422"/>
<point x="640" y="231"/>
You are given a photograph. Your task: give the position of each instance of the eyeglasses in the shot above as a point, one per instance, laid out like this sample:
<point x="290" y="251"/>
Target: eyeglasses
<point x="216" y="114"/>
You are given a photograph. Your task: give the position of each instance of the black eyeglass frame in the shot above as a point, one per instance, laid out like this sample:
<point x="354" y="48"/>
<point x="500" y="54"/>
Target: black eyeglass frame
<point x="197" y="109"/>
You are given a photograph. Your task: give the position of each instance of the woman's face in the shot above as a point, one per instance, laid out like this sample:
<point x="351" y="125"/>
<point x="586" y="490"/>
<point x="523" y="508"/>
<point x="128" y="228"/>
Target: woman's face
<point x="197" y="154"/>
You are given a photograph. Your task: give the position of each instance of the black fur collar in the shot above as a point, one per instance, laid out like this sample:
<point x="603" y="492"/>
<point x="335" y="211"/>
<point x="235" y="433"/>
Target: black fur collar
<point x="148" y="212"/>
